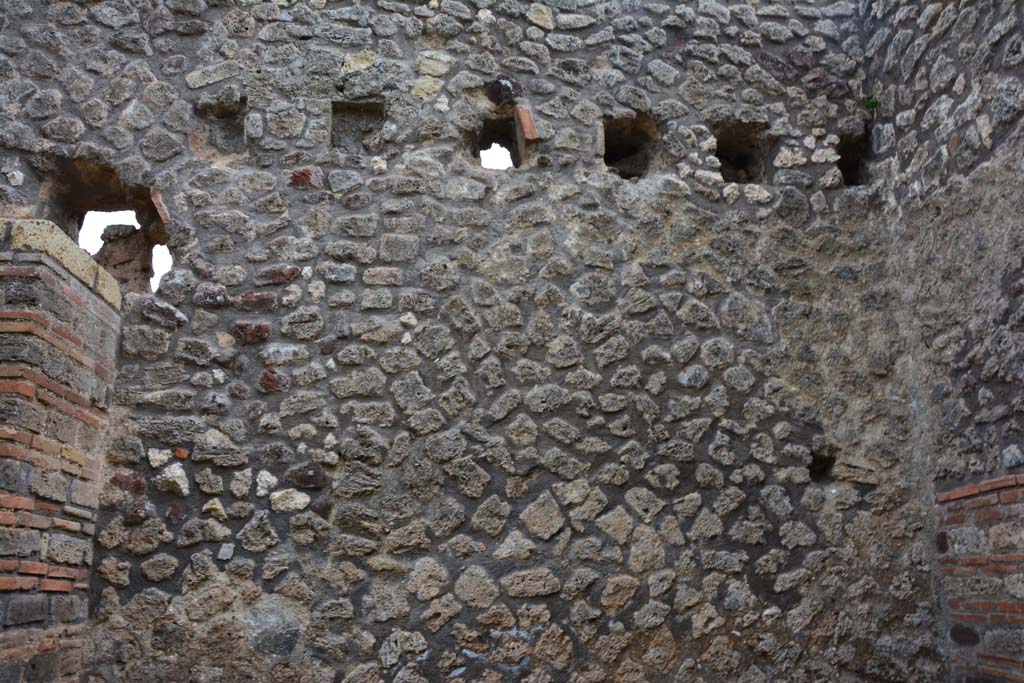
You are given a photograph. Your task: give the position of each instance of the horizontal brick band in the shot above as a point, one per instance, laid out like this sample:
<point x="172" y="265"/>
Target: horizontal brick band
<point x="42" y="268"/>
<point x="998" y="660"/>
<point x="1007" y="481"/>
<point x="29" y="327"/>
<point x="23" y="371"/>
<point x="43" y="321"/>
<point x="18" y="452"/>
<point x="19" y="645"/>
<point x="1001" y="675"/>
<point x="42" y="522"/>
<point x="1008" y="606"/>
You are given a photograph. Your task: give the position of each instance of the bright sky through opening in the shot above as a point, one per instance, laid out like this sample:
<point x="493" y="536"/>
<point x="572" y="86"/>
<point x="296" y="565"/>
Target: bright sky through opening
<point x="497" y="157"/>
<point x="90" y="239"/>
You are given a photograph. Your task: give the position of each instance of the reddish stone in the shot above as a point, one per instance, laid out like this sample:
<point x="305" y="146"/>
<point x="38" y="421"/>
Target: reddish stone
<point x="322" y="506"/>
<point x="273" y="380"/>
<point x="252" y="333"/>
<point x="17" y="502"/>
<point x="308" y="177"/>
<point x="276" y="275"/>
<point x="175" y="514"/>
<point x="139" y="511"/>
<point x="308" y="476"/>
<point x="132" y="482"/>
<point x="181" y="453"/>
<point x="261" y="302"/>
<point x="55" y="585"/>
<point x="238" y="391"/>
<point x="18" y="583"/>
<point x="33" y="568"/>
<point x="158" y="203"/>
<point x="525" y="123"/>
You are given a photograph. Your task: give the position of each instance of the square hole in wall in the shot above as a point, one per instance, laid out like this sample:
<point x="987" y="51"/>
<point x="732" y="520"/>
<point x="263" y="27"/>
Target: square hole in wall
<point x="742" y="149"/>
<point x="854" y="152"/>
<point x="496" y="144"/>
<point x="357" y="126"/>
<point x="629" y="144"/>
<point x="224" y="113"/>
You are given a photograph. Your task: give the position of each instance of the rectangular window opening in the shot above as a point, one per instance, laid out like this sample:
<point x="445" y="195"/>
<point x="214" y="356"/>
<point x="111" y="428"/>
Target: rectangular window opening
<point x="496" y="145"/>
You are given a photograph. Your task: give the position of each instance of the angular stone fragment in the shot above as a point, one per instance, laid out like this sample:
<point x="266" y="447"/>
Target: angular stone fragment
<point x="617" y="592"/>
<point x="491" y="516"/>
<point x="208" y="75"/>
<point x="440" y="611"/>
<point x="258" y="535"/>
<point x="115" y="571"/>
<point x="288" y="500"/>
<point x="475" y="587"/>
<point x="173" y="479"/>
<point x="543" y="517"/>
<point x="427" y="579"/>
<point x="644" y="502"/>
<point x="368" y="382"/>
<point x="617" y="524"/>
<point x="530" y="583"/>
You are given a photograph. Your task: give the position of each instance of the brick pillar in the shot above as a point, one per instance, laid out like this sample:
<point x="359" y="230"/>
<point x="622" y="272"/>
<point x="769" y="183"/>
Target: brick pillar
<point x="981" y="558"/>
<point x="59" y="323"/>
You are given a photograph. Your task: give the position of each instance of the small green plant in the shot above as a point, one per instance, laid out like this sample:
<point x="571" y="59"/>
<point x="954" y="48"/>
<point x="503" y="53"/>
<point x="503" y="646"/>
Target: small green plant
<point x="871" y="102"/>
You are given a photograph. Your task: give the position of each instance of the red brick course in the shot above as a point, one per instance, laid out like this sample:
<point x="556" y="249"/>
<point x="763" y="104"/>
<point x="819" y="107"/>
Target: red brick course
<point x="970" y="511"/>
<point x="974" y="489"/>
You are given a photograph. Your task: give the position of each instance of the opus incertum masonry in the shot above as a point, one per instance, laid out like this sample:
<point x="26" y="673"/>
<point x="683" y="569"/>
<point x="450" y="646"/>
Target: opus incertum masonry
<point x="722" y="381"/>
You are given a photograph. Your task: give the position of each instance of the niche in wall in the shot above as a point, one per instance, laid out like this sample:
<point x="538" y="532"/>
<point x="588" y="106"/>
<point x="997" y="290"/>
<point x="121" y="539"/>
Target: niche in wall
<point x="357" y="126"/>
<point x="630" y="143"/>
<point x="743" y="150"/>
<point x="821" y="467"/>
<point x="854" y="152"/>
<point x="224" y="113"/>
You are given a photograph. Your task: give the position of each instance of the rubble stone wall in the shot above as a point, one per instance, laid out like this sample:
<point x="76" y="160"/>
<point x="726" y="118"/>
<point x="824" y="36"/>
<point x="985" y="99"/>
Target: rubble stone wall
<point x="966" y="384"/>
<point x="948" y="80"/>
<point x="677" y="413"/>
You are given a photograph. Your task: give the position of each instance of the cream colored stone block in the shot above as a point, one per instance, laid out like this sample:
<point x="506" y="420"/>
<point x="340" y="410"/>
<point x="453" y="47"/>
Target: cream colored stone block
<point x="45" y="237"/>
<point x="108" y="289"/>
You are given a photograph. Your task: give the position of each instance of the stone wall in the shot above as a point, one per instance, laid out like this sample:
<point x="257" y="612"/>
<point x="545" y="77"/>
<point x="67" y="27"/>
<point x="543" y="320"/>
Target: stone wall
<point x="947" y="78"/>
<point x="965" y="381"/>
<point x="58" y="340"/>
<point x="665" y="402"/>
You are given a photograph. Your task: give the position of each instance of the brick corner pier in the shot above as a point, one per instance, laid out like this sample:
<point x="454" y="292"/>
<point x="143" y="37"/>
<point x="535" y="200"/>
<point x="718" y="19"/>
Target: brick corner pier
<point x="59" y="324"/>
<point x="980" y="540"/>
